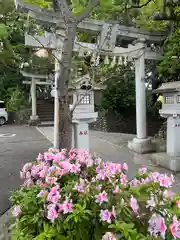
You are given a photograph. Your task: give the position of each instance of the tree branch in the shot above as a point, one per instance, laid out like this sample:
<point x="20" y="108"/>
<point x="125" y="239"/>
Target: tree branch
<point x="166" y="18"/>
<point x="140" y="6"/>
<point x="92" y="4"/>
<point x="62" y="6"/>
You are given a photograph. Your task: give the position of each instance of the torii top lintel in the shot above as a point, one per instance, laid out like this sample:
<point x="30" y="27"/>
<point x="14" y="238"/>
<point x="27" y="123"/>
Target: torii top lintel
<point x="45" y="16"/>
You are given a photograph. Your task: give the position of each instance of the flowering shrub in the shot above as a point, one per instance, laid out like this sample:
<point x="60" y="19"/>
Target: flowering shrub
<point x="72" y="195"/>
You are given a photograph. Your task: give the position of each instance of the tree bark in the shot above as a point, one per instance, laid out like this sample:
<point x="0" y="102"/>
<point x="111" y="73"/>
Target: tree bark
<point x="65" y="123"/>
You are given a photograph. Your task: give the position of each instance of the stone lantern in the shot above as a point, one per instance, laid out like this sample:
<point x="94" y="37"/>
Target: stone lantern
<point x="81" y="97"/>
<point x="171" y="111"/>
<point x="83" y="101"/>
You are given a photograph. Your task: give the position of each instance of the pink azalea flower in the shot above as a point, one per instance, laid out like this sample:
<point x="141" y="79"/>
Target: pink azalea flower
<point x="51" y="180"/>
<point x="52" y="169"/>
<point x="101" y="175"/>
<point x="145" y="181"/>
<point x="27" y="167"/>
<point x="134" y="205"/>
<point x="154" y="176"/>
<point x="65" y="165"/>
<point x="99" y="187"/>
<point x="118" y="167"/>
<point x="97" y="161"/>
<point x="42" y="194"/>
<point x="98" y="169"/>
<point x="89" y="162"/>
<point x="35" y="170"/>
<point x="22" y="175"/>
<point x="81" y="159"/>
<point x="54" y="195"/>
<point x="175" y="228"/>
<point x="75" y="168"/>
<point x="40" y="157"/>
<point x="17" y="211"/>
<point x="117" y="190"/>
<point x="157" y="225"/>
<point x="79" y="188"/>
<point x="67" y="206"/>
<point x="102" y="197"/>
<point x="48" y="156"/>
<point x="105" y="216"/>
<point x="28" y="183"/>
<point x="59" y="157"/>
<point x="72" y="154"/>
<point x="43" y="173"/>
<point x="61" y="172"/>
<point x="142" y="171"/>
<point x="123" y="179"/>
<point x="109" y="236"/>
<point x="125" y="166"/>
<point x="53" y="150"/>
<point x="165" y="181"/>
<point x="28" y="174"/>
<point x="52" y="213"/>
<point x="178" y="203"/>
<point x="168" y="194"/>
<point x="135" y="182"/>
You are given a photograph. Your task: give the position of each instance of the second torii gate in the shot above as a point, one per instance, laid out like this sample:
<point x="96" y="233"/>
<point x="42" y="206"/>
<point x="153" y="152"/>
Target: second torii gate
<point x="35" y="80"/>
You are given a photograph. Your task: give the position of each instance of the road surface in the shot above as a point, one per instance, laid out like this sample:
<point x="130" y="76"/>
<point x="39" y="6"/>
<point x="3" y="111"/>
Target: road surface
<point x="18" y="145"/>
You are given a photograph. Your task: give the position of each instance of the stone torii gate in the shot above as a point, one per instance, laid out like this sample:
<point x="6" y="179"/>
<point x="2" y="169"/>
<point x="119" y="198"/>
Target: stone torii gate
<point x="106" y="45"/>
<point x="35" y="79"/>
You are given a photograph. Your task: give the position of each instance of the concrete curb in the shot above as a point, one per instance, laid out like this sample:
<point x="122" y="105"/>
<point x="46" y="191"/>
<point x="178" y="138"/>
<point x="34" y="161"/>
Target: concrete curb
<point x="42" y="132"/>
<point x="5" y="222"/>
<point x="5" y="217"/>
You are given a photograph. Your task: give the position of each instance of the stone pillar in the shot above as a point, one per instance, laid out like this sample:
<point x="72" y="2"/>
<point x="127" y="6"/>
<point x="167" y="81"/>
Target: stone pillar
<point x="140" y="97"/>
<point x="56" y="105"/>
<point x="58" y="54"/>
<point x="141" y="144"/>
<point x="81" y="132"/>
<point x="73" y="136"/>
<point x="34" y="119"/>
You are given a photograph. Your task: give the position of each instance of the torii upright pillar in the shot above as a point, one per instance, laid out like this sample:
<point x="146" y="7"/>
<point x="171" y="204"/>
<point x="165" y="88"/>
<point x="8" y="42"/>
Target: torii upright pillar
<point x="141" y="143"/>
<point x="34" y="119"/>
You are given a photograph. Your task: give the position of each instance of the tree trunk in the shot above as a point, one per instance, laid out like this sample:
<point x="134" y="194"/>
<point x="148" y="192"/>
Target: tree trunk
<point x="65" y="124"/>
<point x="65" y="127"/>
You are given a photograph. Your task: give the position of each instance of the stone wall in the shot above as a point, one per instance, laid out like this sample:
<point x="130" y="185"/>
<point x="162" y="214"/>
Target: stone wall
<point x="113" y="123"/>
<point x="99" y="125"/>
<point x="21" y="117"/>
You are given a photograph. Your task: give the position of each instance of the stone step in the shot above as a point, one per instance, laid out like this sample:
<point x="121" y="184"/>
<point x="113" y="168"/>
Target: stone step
<point x="45" y="109"/>
<point x="46" y="124"/>
<point x="45" y="113"/>
<point x="46" y="119"/>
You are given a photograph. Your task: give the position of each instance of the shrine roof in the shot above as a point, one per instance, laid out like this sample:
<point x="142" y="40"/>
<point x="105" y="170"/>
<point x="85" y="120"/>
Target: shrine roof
<point x="168" y="87"/>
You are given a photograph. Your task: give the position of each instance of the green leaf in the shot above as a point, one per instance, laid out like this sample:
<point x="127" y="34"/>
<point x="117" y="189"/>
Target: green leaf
<point x="3" y="31"/>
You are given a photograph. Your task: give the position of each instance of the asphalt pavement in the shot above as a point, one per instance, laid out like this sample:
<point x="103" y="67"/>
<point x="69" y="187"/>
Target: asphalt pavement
<point x="18" y="145"/>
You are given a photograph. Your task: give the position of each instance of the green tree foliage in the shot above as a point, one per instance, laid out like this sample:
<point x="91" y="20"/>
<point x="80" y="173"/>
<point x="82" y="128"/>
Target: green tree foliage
<point x="13" y="52"/>
<point x="169" y="66"/>
<point x="40" y="3"/>
<point x="17" y="100"/>
<point x="12" y="49"/>
<point x="119" y="94"/>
